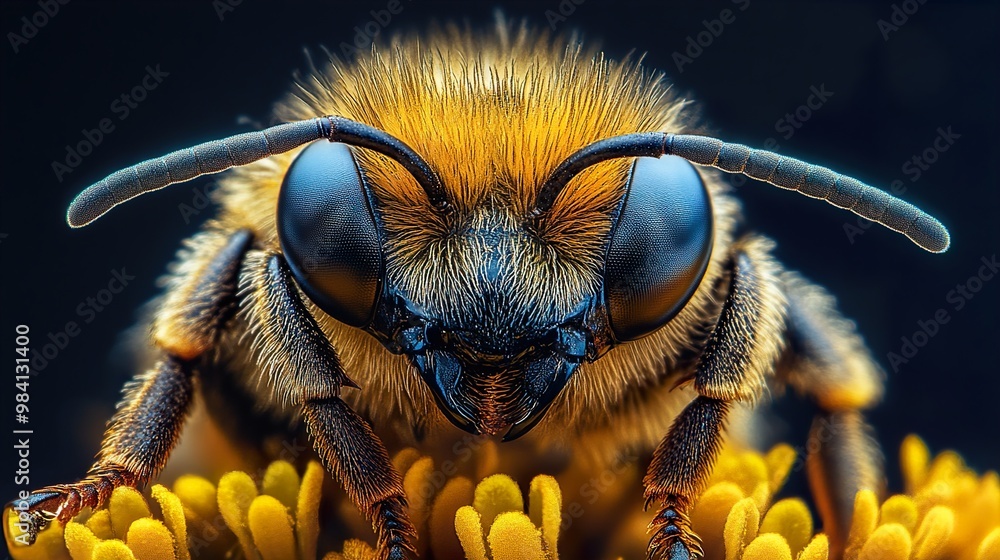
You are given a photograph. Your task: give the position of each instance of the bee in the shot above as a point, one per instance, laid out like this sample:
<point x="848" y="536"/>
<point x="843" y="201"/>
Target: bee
<point x="501" y="233"/>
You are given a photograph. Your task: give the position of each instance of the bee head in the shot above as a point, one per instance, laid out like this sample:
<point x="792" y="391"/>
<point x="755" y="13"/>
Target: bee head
<point x="494" y="316"/>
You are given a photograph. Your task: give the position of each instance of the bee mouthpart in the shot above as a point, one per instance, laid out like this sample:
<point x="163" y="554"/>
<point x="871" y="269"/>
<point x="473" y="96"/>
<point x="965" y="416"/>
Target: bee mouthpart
<point x="483" y="398"/>
<point x="523" y="426"/>
<point x="561" y="374"/>
<point x="442" y="373"/>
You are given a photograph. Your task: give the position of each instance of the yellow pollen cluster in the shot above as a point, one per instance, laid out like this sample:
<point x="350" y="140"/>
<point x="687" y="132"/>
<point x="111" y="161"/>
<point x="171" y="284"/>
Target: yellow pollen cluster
<point x="948" y="512"/>
<point x="277" y="521"/>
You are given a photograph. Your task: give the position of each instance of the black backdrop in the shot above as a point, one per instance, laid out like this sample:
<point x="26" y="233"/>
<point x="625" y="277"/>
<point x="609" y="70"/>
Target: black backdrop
<point x="892" y="90"/>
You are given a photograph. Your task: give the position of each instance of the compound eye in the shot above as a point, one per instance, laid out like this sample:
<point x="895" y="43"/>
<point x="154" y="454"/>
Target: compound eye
<point x="328" y="233"/>
<point x="660" y="246"/>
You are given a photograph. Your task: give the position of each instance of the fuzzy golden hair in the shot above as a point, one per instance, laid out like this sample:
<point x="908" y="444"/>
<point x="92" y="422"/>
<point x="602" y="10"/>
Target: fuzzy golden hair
<point x="494" y="114"/>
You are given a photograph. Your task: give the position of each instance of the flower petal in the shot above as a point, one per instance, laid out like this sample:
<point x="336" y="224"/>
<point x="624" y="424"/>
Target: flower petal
<point x="357" y="549"/>
<point x="497" y="494"/>
<point x="173" y="517"/>
<point x="281" y="480"/>
<point x="149" y="539"/>
<point x="863" y="523"/>
<point x="888" y="542"/>
<point x="545" y="510"/>
<point x="769" y="546"/>
<point x="271" y="528"/>
<point x="514" y="537"/>
<point x="947" y="466"/>
<point x="761" y="495"/>
<point x="899" y="509"/>
<point x="236" y="492"/>
<point x="405" y="459"/>
<point x="817" y="549"/>
<point x="468" y="526"/>
<point x="456" y="493"/>
<point x="957" y="488"/>
<point x="977" y="515"/>
<point x="307" y="509"/>
<point x="933" y="536"/>
<point x="420" y="490"/>
<point x="914" y="458"/>
<point x="80" y="541"/>
<point x="708" y="518"/>
<point x="741" y="527"/>
<point x="126" y="505"/>
<point x="791" y="519"/>
<point x="989" y="549"/>
<point x="779" y="460"/>
<point x="947" y="480"/>
<point x="100" y="524"/>
<point x="746" y="470"/>
<point x="113" y="549"/>
<point x="197" y="494"/>
<point x="354" y="549"/>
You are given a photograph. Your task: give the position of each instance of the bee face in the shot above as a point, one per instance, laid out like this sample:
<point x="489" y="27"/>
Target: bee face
<point x="488" y="360"/>
<point x="510" y="317"/>
<point x="502" y="347"/>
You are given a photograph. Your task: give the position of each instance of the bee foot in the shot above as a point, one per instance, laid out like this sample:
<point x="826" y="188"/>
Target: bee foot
<point x="675" y="551"/>
<point x="396" y="533"/>
<point x="35" y="513"/>
<point x="673" y="538"/>
<point x="64" y="501"/>
<point x="678" y="551"/>
<point x="37" y="522"/>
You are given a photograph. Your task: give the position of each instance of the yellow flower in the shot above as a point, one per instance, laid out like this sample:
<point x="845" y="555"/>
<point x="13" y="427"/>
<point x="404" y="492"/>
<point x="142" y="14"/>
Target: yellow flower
<point x="354" y="549"/>
<point x="496" y="527"/>
<point x="737" y="518"/>
<point x="280" y="521"/>
<point x="489" y="521"/>
<point x="946" y="512"/>
<point x="434" y="501"/>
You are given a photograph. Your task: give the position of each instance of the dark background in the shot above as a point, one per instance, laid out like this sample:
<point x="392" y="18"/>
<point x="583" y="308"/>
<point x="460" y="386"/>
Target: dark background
<point x="889" y="99"/>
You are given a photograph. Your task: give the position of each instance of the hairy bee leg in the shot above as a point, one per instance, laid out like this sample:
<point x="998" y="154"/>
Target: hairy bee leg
<point x="738" y="356"/>
<point x="313" y="378"/>
<point x="828" y="362"/>
<point x="202" y="297"/>
<point x="843" y="457"/>
<point x="147" y="426"/>
<point x="136" y="447"/>
<point x="681" y="465"/>
<point x="351" y="450"/>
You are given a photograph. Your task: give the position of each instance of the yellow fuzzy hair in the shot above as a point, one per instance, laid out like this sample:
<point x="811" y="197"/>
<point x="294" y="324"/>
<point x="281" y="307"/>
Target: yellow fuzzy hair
<point x="494" y="114"/>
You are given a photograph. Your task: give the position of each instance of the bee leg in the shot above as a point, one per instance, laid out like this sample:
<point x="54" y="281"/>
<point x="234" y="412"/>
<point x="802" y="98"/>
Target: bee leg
<point x="828" y="362"/>
<point x="738" y="355"/>
<point x="152" y="413"/>
<point x="681" y="465"/>
<point x="313" y="378"/>
<point x="351" y="450"/>
<point x="136" y="447"/>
